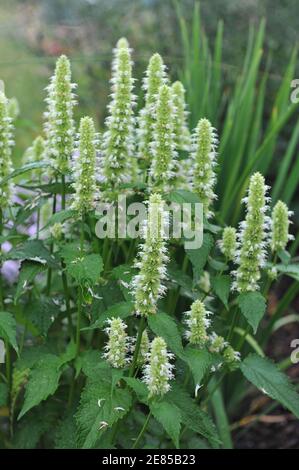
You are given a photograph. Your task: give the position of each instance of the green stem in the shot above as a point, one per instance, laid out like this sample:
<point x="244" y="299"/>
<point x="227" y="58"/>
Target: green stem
<point x="67" y="300"/>
<point x="49" y="275"/>
<point x="63" y="191"/>
<point x="142" y="430"/>
<point x="2" y="306"/>
<point x="137" y="347"/>
<point x="232" y="326"/>
<point x="210" y="393"/>
<point x="80" y="293"/>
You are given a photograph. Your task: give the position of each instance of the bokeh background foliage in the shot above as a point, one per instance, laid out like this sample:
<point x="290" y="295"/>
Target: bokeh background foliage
<point x="236" y="58"/>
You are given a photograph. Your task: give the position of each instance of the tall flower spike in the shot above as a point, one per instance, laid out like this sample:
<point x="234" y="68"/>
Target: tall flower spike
<point x="159" y="371"/>
<point x="85" y="168"/>
<point x="280" y="226"/>
<point x="253" y="237"/>
<point x="197" y="322"/>
<point x="118" y="346"/>
<point x="119" y="165"/>
<point x="163" y="166"/>
<point x="203" y="153"/>
<point x="155" y="77"/>
<point x="59" y="125"/>
<point x="6" y="142"/>
<point x="228" y="243"/>
<point x="181" y="131"/>
<point x="148" y="284"/>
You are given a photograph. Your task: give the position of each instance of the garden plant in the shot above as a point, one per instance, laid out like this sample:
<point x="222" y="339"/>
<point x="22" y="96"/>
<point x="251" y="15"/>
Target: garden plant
<point x="118" y="342"/>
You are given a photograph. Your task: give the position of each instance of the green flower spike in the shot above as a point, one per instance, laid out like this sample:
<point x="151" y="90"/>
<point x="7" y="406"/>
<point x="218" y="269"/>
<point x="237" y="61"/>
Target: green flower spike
<point x="164" y="166"/>
<point x="203" y="154"/>
<point x="85" y="168"/>
<point x="159" y="371"/>
<point x="59" y="125"/>
<point x="197" y="322"/>
<point x="217" y="343"/>
<point x="118" y="346"/>
<point x="253" y="237"/>
<point x="144" y="349"/>
<point x="154" y="79"/>
<point x="36" y="153"/>
<point x="228" y="243"/>
<point x="118" y="146"/>
<point x="148" y="284"/>
<point x="280" y="226"/>
<point x="6" y="142"/>
<point x="181" y="131"/>
<point x="231" y="357"/>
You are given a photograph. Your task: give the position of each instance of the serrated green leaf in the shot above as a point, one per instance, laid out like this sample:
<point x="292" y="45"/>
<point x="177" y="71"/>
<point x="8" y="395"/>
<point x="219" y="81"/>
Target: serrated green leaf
<point x="42" y="313"/>
<point x="43" y="382"/>
<point x="200" y="361"/>
<point x="182" y="195"/>
<point x="139" y="388"/>
<point x="84" y="268"/>
<point x="221" y="287"/>
<point x="264" y="374"/>
<point x="163" y="325"/>
<point x="199" y="256"/>
<point x="101" y="405"/>
<point x="66" y="434"/>
<point x="8" y="329"/>
<point x="169" y="416"/>
<point x="33" y="250"/>
<point x="192" y="416"/>
<point x="253" y="307"/>
<point x="291" y="270"/>
<point x="28" y="271"/>
<point x="121" y="310"/>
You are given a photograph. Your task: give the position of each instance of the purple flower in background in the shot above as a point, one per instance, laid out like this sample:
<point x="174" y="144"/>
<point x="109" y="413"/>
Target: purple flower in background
<point x="10" y="268"/>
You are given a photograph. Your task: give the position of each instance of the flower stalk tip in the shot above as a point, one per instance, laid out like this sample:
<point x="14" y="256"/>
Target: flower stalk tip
<point x="159" y="371"/>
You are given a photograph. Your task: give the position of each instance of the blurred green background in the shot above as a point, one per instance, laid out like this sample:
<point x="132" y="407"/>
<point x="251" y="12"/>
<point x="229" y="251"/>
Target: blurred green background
<point x="33" y="33"/>
<point x="237" y="71"/>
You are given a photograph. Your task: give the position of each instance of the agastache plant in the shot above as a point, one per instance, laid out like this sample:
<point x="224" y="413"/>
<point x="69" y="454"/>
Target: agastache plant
<point x="228" y="243"/>
<point x="6" y="143"/>
<point x="159" y="371"/>
<point x="181" y="131"/>
<point x="118" y="345"/>
<point x="253" y="237"/>
<point x="59" y="122"/>
<point x="119" y="163"/>
<point x="85" y="186"/>
<point x="155" y="77"/>
<point x="280" y="226"/>
<point x="163" y="165"/>
<point x="202" y="171"/>
<point x="36" y="153"/>
<point x="148" y="284"/>
<point x="197" y="321"/>
<point x="93" y="319"/>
